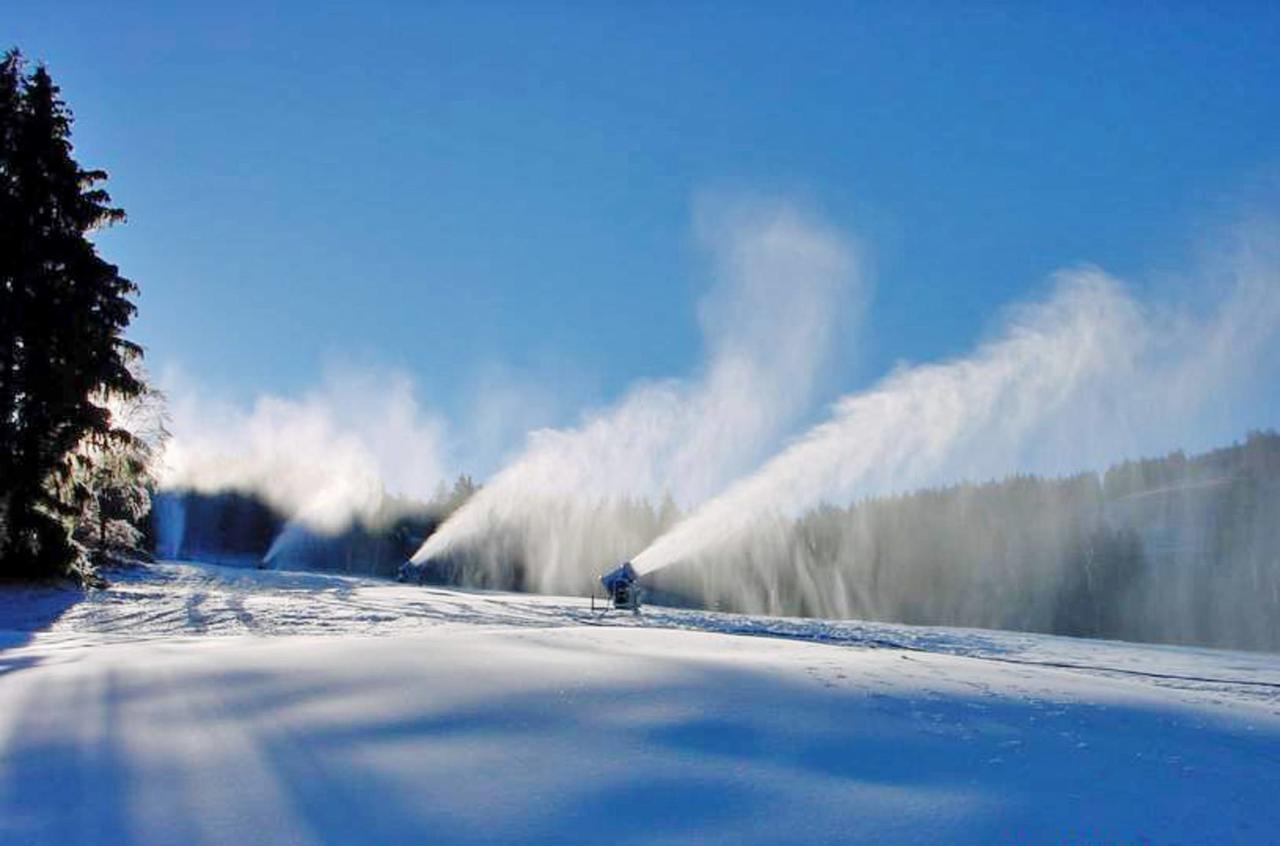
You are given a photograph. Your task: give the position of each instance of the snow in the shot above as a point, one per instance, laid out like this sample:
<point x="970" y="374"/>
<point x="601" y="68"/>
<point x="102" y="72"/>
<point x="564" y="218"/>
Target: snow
<point x="199" y="704"/>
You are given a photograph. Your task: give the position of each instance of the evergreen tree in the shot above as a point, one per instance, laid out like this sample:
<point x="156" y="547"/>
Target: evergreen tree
<point x="114" y="477"/>
<point x="61" y="347"/>
<point x="10" y="109"/>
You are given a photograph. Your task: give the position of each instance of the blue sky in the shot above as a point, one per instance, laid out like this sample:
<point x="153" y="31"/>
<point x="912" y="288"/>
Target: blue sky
<point x="458" y="189"/>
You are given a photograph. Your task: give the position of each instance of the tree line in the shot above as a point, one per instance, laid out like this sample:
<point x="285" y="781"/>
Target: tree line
<point x="1174" y="549"/>
<point x="241" y="528"/>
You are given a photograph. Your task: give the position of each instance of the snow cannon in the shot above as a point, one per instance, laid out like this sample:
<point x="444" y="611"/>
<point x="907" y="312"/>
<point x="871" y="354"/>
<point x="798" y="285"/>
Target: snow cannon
<point x="621" y="584"/>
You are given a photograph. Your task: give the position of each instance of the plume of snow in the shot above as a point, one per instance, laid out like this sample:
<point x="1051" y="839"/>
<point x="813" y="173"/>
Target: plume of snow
<point x="325" y="458"/>
<point x="782" y="281"/>
<point x="1088" y="375"/>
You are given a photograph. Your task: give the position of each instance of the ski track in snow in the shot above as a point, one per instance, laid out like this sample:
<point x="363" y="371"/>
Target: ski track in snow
<point x="204" y="704"/>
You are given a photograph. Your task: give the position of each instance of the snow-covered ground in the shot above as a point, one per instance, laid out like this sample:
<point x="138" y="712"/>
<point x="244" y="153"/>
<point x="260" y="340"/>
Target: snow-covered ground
<point x="196" y="704"/>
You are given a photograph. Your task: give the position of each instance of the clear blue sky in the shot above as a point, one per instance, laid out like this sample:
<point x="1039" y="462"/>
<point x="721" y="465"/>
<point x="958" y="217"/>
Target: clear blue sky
<point x="449" y="187"/>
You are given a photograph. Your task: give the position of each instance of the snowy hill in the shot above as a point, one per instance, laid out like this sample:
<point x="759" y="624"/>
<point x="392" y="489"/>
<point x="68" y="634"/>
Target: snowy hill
<point x="198" y="704"/>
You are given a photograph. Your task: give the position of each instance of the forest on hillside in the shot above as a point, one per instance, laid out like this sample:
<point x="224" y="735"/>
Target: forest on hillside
<point x="1178" y="549"/>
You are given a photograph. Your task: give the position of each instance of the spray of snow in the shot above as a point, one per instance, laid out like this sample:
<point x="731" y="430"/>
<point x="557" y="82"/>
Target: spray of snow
<point x="567" y="504"/>
<point x="324" y="459"/>
<point x="1088" y="375"/>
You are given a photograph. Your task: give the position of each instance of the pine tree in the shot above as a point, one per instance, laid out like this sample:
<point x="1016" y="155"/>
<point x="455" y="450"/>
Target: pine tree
<point x="10" y="109"/>
<point x="65" y="308"/>
<point x="114" y="477"/>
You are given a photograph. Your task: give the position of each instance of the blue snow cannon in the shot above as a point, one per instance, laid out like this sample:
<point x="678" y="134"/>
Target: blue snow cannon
<point x="621" y="585"/>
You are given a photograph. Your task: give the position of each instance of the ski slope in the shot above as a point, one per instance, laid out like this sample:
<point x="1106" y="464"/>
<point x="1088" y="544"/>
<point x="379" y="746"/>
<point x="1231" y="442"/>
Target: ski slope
<point x="196" y="704"/>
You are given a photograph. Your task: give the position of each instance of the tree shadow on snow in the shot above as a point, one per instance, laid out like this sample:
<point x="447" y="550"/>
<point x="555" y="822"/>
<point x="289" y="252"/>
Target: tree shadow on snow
<point x="25" y="611"/>
<point x="696" y="754"/>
